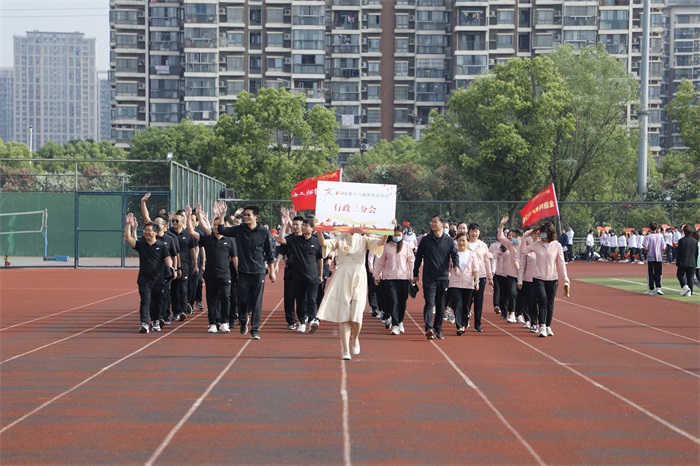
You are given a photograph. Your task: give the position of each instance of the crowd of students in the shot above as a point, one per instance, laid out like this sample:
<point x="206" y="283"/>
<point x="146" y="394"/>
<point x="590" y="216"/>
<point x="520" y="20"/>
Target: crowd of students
<point x="234" y="255"/>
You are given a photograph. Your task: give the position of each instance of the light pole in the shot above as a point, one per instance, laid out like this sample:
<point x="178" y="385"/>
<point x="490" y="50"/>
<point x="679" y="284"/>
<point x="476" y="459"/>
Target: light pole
<point x="31" y="139"/>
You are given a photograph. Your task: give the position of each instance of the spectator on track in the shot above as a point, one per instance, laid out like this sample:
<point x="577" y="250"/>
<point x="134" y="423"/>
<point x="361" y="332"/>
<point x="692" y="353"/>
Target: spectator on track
<point x="686" y="260"/>
<point x="654" y="246"/>
<point x="153" y="256"/>
<point x="255" y="260"/>
<point x="590" y="246"/>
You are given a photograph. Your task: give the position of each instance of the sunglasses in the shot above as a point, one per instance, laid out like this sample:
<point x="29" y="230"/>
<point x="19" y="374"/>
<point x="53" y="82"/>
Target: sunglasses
<point x="175" y="220"/>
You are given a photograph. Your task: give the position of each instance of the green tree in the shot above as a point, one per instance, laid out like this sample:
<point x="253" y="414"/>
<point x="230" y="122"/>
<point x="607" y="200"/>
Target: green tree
<point x="502" y="129"/>
<point x="685" y="109"/>
<point x="599" y="89"/>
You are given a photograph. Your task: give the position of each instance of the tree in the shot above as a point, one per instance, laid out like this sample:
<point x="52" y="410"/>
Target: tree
<point x="600" y="89"/>
<point x="503" y="128"/>
<point x="685" y="109"/>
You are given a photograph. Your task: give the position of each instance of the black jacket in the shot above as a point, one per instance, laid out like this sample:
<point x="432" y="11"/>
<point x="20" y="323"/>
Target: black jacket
<point x="687" y="252"/>
<point x="255" y="247"/>
<point x="436" y="253"/>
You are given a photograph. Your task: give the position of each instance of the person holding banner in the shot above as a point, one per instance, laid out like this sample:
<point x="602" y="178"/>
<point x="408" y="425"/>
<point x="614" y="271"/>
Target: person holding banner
<point x="346" y="296"/>
<point x="436" y="249"/>
<point x="549" y="267"/>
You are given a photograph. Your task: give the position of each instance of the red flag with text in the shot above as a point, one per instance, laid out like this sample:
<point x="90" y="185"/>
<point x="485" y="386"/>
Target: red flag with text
<point x="543" y="205"/>
<point x="304" y="193"/>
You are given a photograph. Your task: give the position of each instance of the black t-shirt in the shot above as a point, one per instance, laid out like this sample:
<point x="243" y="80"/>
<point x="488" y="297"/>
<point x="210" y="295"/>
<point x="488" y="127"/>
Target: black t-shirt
<point x="186" y="242"/>
<point x="255" y="247"/>
<point x="219" y="251"/>
<point x="151" y="260"/>
<point x="172" y="247"/>
<point x="304" y="254"/>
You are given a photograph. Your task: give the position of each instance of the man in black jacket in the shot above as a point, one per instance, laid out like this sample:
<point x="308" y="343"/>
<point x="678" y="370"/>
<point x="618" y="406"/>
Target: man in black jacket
<point x="436" y="249"/>
<point x="255" y="259"/>
<point x="686" y="260"/>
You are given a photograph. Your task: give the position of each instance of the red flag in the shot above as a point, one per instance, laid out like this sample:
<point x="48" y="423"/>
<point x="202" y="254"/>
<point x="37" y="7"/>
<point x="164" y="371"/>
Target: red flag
<point x="304" y="193"/>
<point x="543" y="205"/>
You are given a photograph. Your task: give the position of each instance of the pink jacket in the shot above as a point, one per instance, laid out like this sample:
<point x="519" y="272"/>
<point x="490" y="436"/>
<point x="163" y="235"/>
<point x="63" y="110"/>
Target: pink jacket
<point x="395" y="266"/>
<point x="497" y="258"/>
<point x="528" y="262"/>
<point x="485" y="268"/>
<point x="466" y="277"/>
<point x="510" y="257"/>
<point x="549" y="260"/>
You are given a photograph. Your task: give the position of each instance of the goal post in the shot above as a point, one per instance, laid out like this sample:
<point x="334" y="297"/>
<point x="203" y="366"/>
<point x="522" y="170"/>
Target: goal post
<point x="25" y="233"/>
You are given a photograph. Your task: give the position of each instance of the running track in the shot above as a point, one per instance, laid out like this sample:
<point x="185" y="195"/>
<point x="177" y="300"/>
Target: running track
<point x="618" y="384"/>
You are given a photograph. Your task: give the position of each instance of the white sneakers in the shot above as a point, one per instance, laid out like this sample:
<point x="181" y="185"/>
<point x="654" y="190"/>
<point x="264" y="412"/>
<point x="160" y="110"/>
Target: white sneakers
<point x="649" y="292"/>
<point x="225" y="328"/>
<point x="212" y="329"/>
<point x="550" y="333"/>
<point x="314" y="326"/>
<point x="521" y="319"/>
<point x="511" y="318"/>
<point x="543" y="331"/>
<point x="401" y="329"/>
<point x="659" y="292"/>
<point x="301" y="328"/>
<point x="395" y="330"/>
<point x="686" y="291"/>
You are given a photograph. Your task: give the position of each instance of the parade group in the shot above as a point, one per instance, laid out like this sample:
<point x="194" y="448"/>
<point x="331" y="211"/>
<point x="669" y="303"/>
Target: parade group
<point x="333" y="277"/>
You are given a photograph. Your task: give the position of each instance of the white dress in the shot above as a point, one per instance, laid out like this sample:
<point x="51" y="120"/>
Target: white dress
<point x="346" y="296"/>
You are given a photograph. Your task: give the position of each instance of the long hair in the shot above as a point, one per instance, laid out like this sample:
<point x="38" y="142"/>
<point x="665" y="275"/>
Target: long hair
<point x="399" y="245"/>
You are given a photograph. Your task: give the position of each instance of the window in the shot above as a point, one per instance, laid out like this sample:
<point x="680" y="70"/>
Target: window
<point x="373" y="68"/>
<point x="401" y="68"/>
<point x="401" y="21"/>
<point x="373" y="115"/>
<point x="275" y="15"/>
<point x="234" y="87"/>
<point x="275" y="39"/>
<point x="373" y="92"/>
<point x="504" y="41"/>
<point x="401" y="93"/>
<point x="275" y="64"/>
<point x="401" y="44"/>
<point x="504" y="16"/>
<point x="235" y="15"/>
<point x="234" y="39"/>
<point x="234" y="63"/>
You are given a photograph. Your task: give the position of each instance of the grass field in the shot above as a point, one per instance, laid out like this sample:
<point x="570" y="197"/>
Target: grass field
<point x="638" y="285"/>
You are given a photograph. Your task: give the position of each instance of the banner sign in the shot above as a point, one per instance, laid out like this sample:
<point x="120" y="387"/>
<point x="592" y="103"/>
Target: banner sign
<point x="543" y="205"/>
<point x="355" y="207"/>
<point x="304" y="193"/>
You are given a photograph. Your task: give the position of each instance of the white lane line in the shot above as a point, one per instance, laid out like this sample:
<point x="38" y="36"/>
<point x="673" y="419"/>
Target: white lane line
<point x="645" y="285"/>
<point x="486" y="400"/>
<point x="168" y="438"/>
<point x="96" y="374"/>
<point x="610" y="391"/>
<point x="347" y="456"/>
<point x="629" y="349"/>
<point x="67" y="310"/>
<point x="66" y="338"/>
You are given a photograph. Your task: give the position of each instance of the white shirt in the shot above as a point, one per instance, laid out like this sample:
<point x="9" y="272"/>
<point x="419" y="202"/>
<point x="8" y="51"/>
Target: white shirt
<point x="590" y="241"/>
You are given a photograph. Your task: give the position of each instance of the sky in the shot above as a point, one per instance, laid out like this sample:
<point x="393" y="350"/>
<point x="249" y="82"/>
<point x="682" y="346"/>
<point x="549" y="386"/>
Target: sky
<point x="91" y="17"/>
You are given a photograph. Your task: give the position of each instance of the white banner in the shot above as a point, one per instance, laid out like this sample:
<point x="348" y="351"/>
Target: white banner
<point x="355" y="207"/>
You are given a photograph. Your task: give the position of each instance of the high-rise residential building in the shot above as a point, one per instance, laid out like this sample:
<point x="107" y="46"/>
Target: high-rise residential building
<point x="383" y="66"/>
<point x="7" y="79"/>
<point x="681" y="57"/>
<point x="56" y="88"/>
<point x="105" y="107"/>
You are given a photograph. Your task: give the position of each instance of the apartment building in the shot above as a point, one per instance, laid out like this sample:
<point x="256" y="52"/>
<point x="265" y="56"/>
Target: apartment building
<point x="105" y="107"/>
<point x="383" y="66"/>
<point x="681" y="58"/>
<point x="56" y="92"/>
<point x="7" y="93"/>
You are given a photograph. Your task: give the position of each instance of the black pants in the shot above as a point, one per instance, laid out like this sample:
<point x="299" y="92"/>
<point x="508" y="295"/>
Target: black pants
<point x="194" y="280"/>
<point x="198" y="291"/>
<point x="434" y="293"/>
<point x="233" y="307"/>
<point x="289" y="313"/>
<point x="395" y="294"/>
<point x="654" y="271"/>
<point x="218" y="299"/>
<point x="530" y="303"/>
<point x="546" y="291"/>
<point x="305" y="296"/>
<point x="478" y="300"/>
<point x="165" y="302"/>
<point x="508" y="289"/>
<point x="178" y="292"/>
<point x="372" y="292"/>
<point x="685" y="276"/>
<point x="151" y="294"/>
<point x="461" y="299"/>
<point x="250" y="293"/>
<point x="497" y="291"/>
<point x="589" y="253"/>
<point x="321" y="292"/>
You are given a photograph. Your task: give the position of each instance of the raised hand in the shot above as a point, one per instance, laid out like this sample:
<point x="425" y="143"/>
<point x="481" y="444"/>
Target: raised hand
<point x="188" y="211"/>
<point x="145" y="197"/>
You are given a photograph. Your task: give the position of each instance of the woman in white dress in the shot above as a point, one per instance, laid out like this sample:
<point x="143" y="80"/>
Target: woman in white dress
<point x="346" y="295"/>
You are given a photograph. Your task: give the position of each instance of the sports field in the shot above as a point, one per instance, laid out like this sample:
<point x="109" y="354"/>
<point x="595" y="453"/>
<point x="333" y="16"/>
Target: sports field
<point x="619" y="383"/>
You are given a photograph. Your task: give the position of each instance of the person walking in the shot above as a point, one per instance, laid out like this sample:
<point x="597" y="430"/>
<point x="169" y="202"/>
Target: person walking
<point x="436" y="249"/>
<point x="655" y="246"/>
<point x="462" y="284"/>
<point x="479" y="248"/>
<point x="590" y="246"/>
<point x="570" y="244"/>
<point x="508" y="286"/>
<point x="346" y="296"/>
<point x="550" y="266"/>
<point x="686" y="260"/>
<point x="153" y="258"/>
<point x="255" y="260"/>
<point x="393" y="270"/>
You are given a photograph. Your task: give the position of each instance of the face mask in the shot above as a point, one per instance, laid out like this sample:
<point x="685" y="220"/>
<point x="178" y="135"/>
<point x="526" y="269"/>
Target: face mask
<point x="543" y="235"/>
<point x="397" y="239"/>
<point x="516" y="240"/>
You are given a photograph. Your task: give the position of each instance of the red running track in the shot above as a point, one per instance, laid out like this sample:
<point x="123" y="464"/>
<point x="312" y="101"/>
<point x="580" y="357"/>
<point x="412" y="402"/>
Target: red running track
<point x="618" y="384"/>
